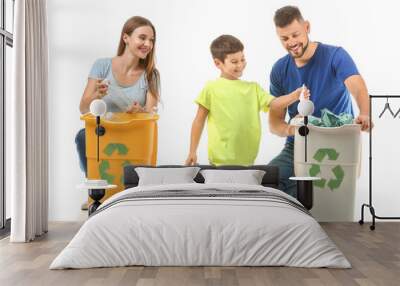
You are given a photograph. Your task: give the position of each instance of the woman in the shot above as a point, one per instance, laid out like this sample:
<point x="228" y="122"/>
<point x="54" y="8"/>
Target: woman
<point x="132" y="71"/>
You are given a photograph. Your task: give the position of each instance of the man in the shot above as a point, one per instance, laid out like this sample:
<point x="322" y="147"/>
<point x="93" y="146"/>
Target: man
<point x="329" y="73"/>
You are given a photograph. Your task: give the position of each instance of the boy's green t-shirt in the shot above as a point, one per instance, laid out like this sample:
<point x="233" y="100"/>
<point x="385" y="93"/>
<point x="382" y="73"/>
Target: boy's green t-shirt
<point x="234" y="127"/>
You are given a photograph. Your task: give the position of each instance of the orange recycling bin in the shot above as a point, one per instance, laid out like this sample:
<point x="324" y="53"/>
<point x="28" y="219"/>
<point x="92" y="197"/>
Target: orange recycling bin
<point x="128" y="139"/>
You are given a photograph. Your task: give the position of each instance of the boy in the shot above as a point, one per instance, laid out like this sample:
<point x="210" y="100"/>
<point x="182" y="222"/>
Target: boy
<point x="232" y="107"/>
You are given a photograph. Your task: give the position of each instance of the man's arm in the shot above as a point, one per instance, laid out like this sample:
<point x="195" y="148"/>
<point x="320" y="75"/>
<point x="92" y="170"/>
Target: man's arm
<point x="357" y="87"/>
<point x="278" y="109"/>
<point x="278" y="125"/>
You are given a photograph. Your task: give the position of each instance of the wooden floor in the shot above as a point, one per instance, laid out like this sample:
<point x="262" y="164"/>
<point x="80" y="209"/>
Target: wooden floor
<point x="374" y="255"/>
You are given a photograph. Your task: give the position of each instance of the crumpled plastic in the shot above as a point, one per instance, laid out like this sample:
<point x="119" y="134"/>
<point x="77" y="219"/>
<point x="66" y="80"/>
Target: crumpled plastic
<point x="329" y="119"/>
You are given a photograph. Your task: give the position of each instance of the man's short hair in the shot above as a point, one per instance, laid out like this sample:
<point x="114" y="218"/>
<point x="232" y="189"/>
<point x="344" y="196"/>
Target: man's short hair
<point x="225" y="45"/>
<point x="286" y="15"/>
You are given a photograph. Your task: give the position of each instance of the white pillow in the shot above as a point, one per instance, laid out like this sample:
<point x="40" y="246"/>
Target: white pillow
<point x="248" y="177"/>
<point x="165" y="176"/>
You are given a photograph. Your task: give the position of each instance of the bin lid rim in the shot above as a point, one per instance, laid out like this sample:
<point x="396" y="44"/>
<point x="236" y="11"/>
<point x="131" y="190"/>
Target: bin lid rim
<point x="89" y="116"/>
<point x="353" y="125"/>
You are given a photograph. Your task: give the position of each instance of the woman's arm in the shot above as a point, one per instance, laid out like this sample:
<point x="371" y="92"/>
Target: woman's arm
<point x="150" y="107"/>
<point x="94" y="89"/>
<point x="151" y="103"/>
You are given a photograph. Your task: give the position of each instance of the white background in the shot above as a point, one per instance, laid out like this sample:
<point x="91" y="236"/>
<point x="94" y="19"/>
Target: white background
<point x="82" y="31"/>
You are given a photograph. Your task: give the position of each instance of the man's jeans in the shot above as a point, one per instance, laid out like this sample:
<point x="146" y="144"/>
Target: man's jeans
<point x="286" y="169"/>
<point x="80" y="141"/>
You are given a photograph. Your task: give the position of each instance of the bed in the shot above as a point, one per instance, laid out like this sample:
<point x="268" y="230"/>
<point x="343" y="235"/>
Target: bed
<point x="201" y="224"/>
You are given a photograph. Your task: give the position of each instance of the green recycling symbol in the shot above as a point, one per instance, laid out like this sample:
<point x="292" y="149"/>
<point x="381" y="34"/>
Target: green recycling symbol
<point x="337" y="170"/>
<point x="121" y="149"/>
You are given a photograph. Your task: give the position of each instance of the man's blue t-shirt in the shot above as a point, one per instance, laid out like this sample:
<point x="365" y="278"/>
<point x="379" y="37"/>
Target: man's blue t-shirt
<point x="324" y="76"/>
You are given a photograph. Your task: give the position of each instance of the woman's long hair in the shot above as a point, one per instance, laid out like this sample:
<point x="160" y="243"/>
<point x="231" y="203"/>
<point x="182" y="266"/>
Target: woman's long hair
<point x="152" y="74"/>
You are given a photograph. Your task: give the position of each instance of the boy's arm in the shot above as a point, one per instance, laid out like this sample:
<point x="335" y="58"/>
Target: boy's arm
<point x="282" y="102"/>
<point x="197" y="129"/>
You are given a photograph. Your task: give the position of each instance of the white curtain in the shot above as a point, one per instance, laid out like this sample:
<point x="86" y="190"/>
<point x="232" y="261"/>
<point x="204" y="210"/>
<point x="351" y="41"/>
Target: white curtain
<point x="28" y="121"/>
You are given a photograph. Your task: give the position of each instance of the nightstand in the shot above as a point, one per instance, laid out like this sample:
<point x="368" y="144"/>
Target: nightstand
<point x="96" y="193"/>
<point x="305" y="190"/>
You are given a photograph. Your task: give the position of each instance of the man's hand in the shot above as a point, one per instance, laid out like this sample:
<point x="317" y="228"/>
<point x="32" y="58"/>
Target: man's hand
<point x="290" y="130"/>
<point x="364" y="121"/>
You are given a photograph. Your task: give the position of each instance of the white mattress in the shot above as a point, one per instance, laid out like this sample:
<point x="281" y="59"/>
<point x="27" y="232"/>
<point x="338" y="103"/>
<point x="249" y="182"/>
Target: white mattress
<point x="183" y="231"/>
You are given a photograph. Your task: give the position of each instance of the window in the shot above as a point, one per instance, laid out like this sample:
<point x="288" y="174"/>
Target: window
<point x="6" y="44"/>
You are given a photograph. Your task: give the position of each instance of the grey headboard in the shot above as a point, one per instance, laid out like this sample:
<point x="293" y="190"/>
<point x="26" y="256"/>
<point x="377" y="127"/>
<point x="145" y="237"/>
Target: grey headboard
<point x="270" y="179"/>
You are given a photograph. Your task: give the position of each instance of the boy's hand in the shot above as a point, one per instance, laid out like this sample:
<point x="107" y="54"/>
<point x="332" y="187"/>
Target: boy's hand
<point x="191" y="160"/>
<point x="297" y="93"/>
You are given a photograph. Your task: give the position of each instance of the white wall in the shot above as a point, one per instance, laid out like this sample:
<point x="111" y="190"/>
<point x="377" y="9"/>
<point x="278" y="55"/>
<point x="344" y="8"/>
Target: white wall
<point x="81" y="31"/>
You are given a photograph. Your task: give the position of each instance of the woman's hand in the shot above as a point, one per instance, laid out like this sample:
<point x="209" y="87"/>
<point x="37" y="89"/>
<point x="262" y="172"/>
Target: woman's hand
<point x="101" y="88"/>
<point x="135" y="108"/>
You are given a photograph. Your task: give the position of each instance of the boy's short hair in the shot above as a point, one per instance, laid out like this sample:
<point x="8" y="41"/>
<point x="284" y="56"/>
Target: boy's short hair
<point x="286" y="15"/>
<point x="225" y="45"/>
